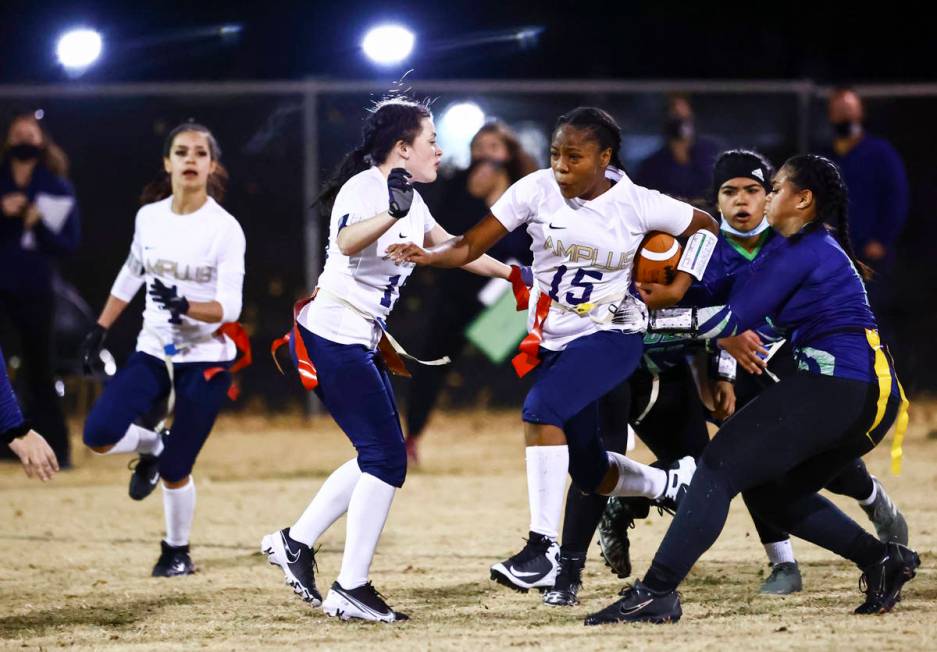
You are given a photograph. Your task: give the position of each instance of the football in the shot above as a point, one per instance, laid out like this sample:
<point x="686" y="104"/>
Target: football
<point x="657" y="258"/>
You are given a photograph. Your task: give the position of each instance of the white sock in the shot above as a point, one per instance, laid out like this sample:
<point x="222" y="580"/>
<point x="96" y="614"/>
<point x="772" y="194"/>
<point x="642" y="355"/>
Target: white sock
<point x="138" y="440"/>
<point x="871" y="499"/>
<point x="547" y="467"/>
<point x="636" y="479"/>
<point x="329" y="503"/>
<point x="780" y="552"/>
<point x="367" y="513"/>
<point x="179" y="510"/>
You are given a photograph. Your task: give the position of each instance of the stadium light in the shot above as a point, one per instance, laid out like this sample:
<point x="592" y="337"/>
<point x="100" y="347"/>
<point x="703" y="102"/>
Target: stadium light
<point x="78" y="48"/>
<point x="388" y="44"/>
<point x="458" y="124"/>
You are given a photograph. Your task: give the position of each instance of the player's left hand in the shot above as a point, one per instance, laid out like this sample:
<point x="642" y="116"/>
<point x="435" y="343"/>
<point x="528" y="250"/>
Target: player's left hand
<point x="36" y="455"/>
<point x="724" y="400"/>
<point x="747" y="349"/>
<point x="169" y="299"/>
<point x="408" y="252"/>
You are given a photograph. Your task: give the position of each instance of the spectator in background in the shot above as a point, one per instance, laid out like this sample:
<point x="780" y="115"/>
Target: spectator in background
<point x="38" y="224"/>
<point x="497" y="161"/>
<point x="878" y="197"/>
<point x="682" y="168"/>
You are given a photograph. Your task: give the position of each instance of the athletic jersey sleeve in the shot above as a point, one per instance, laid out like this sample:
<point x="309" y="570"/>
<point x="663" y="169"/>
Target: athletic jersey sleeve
<point x="229" y="290"/>
<point x="358" y="200"/>
<point x="429" y="222"/>
<point x="10" y="415"/>
<point x="517" y="205"/>
<point x="658" y="212"/>
<point x="772" y="281"/>
<point x="130" y="277"/>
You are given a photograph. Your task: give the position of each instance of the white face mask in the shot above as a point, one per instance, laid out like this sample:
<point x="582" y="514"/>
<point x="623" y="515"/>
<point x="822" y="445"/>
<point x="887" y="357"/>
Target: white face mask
<point x="728" y="228"/>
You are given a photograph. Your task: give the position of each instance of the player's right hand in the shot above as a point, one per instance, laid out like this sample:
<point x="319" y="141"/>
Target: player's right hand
<point x="407" y="252"/>
<point x="90" y="350"/>
<point x="400" y="193"/>
<point x="724" y="400"/>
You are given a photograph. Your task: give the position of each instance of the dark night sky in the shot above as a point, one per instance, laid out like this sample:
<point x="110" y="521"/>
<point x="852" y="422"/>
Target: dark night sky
<point x="292" y="40"/>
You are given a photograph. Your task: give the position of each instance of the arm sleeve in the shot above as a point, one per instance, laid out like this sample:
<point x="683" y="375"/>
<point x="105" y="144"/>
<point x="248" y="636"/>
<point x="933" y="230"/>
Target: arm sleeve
<point x="130" y="277"/>
<point x="10" y="415"/>
<point x="771" y="283"/>
<point x="54" y="235"/>
<point x="658" y="212"/>
<point x="231" y="273"/>
<point x="892" y="198"/>
<point x="516" y="206"/>
<point x="429" y="222"/>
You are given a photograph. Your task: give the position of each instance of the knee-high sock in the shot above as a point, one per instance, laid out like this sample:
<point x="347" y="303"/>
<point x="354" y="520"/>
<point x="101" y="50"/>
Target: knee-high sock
<point x="329" y="503"/>
<point x="179" y="511"/>
<point x="547" y="467"/>
<point x="636" y="479"/>
<point x="367" y="513"/>
<point x="138" y="440"/>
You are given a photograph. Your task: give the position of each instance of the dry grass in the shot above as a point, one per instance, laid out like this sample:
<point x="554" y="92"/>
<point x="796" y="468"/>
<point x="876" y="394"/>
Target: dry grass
<point x="78" y="552"/>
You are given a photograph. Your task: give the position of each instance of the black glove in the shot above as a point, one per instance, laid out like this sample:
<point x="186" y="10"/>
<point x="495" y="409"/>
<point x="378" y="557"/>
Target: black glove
<point x="169" y="299"/>
<point x="90" y="350"/>
<point x="400" y="192"/>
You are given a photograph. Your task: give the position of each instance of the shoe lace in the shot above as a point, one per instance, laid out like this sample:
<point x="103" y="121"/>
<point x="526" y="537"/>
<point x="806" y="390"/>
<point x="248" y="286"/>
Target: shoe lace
<point x="315" y="551"/>
<point x="369" y="587"/>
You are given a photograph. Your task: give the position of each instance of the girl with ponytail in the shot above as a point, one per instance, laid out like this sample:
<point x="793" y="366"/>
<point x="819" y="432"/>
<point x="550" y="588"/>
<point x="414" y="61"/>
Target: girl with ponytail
<point x="335" y="341"/>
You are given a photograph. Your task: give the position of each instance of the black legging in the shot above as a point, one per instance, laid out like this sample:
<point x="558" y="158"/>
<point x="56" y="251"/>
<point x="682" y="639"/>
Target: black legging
<point x="780" y="450"/>
<point x="673" y="427"/>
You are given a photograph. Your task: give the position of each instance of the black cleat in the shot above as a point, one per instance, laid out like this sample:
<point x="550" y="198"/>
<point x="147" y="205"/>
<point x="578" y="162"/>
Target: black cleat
<point x="639" y="604"/>
<point x="565" y="590"/>
<point x="173" y="561"/>
<point x="888" y="520"/>
<point x="679" y="476"/>
<point x="534" y="567"/>
<point x="882" y="582"/>
<point x="619" y="515"/>
<point x="145" y="475"/>
<point x="362" y="602"/>
<point x="297" y="561"/>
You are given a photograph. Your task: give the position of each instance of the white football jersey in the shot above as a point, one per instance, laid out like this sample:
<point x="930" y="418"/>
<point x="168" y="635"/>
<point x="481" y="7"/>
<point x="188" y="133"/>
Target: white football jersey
<point x="202" y="254"/>
<point x="367" y="280"/>
<point x="584" y="250"/>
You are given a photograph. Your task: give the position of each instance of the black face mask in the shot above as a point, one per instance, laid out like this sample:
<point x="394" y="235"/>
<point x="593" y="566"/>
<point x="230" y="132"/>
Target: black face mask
<point x="678" y="128"/>
<point x="845" y="129"/>
<point x="25" y="152"/>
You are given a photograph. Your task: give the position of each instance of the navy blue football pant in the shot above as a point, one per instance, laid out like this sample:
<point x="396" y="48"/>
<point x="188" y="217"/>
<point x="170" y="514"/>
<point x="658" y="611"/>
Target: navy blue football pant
<point x="567" y="390"/>
<point x="144" y="382"/>
<point x="356" y="390"/>
<point x="781" y="449"/>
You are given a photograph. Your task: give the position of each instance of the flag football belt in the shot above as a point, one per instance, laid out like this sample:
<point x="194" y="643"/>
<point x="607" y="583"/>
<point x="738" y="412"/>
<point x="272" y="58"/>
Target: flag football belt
<point x="603" y="311"/>
<point x="391" y="351"/>
<point x="244" y="358"/>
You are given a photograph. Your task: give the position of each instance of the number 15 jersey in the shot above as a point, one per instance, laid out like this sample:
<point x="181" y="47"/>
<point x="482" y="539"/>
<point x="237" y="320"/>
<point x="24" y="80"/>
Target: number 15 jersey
<point x="584" y="250"/>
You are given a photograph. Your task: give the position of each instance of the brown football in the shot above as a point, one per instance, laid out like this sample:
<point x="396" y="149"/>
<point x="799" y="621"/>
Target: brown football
<point x="657" y="258"/>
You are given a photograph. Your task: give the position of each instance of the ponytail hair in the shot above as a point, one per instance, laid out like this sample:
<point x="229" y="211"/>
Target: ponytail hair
<point x="161" y="187"/>
<point x="391" y="120"/>
<point x="822" y="177"/>
<point x="601" y="124"/>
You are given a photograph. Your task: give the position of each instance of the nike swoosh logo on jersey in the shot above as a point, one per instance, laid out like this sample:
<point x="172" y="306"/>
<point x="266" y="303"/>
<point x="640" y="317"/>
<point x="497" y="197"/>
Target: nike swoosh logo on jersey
<point x="291" y="557"/>
<point x="556" y="227"/>
<point x="638" y="607"/>
<point x="402" y="235"/>
<point x="518" y="573"/>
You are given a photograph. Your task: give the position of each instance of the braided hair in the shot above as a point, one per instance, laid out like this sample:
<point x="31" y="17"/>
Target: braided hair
<point x="822" y="177"/>
<point x="389" y="121"/>
<point x="600" y="124"/>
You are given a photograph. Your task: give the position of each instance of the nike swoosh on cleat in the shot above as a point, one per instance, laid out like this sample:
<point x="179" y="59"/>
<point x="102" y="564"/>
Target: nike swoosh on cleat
<point x="635" y="609"/>
<point x="291" y="557"/>
<point x="518" y="573"/>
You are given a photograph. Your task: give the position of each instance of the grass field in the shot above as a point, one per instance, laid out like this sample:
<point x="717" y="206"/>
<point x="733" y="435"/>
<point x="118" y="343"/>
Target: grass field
<point x="77" y="554"/>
